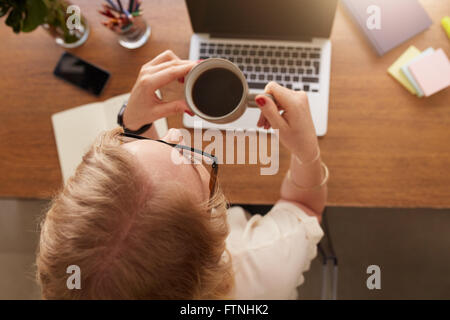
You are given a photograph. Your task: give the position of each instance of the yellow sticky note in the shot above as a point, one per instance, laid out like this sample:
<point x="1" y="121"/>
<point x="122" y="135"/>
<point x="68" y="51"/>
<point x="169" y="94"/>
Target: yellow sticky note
<point x="394" y="70"/>
<point x="446" y="25"/>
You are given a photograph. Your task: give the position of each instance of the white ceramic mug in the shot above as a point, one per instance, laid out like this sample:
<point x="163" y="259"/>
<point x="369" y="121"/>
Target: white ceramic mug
<point x="247" y="99"/>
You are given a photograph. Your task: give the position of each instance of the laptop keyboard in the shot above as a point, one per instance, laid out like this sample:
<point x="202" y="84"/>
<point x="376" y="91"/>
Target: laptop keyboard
<point x="294" y="67"/>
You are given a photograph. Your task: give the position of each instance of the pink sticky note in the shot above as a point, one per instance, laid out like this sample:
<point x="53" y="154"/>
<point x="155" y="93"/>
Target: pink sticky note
<point x="432" y="72"/>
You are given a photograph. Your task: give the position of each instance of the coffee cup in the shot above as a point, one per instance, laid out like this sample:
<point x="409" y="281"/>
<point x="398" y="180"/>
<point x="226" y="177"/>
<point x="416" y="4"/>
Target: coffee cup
<point x="216" y="90"/>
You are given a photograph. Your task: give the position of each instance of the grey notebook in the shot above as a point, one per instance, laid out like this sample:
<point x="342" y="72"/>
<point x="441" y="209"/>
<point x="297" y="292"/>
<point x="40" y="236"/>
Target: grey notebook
<point x="399" y="20"/>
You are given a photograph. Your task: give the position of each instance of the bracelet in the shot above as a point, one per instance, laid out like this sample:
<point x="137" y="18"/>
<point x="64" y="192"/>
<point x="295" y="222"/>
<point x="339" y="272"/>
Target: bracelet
<point x="324" y="181"/>
<point x="141" y="130"/>
<point x="309" y="162"/>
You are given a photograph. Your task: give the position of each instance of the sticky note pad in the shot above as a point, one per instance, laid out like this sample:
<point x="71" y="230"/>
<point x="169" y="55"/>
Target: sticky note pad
<point x="405" y="71"/>
<point x="432" y="72"/>
<point x="446" y="25"/>
<point x="394" y="70"/>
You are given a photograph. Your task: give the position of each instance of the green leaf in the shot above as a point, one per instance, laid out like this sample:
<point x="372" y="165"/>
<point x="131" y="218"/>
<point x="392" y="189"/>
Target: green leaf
<point x="35" y="15"/>
<point x="4" y="7"/>
<point x="14" y="20"/>
<point x="20" y="4"/>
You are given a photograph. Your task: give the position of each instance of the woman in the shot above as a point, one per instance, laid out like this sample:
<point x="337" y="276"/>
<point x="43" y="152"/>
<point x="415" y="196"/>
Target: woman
<point x="140" y="225"/>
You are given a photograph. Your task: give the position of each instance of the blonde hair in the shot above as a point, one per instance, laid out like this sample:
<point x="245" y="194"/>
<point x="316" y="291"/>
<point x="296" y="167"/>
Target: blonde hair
<point x="132" y="238"/>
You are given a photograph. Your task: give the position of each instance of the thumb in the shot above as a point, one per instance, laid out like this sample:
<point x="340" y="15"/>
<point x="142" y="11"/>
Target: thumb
<point x="169" y="108"/>
<point x="270" y="111"/>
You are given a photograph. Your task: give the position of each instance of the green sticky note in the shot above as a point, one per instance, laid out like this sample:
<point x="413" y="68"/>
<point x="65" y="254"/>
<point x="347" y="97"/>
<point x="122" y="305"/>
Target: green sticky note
<point x="395" y="69"/>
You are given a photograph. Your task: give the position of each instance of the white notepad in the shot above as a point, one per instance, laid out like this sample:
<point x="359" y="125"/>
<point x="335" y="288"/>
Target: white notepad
<point x="407" y="73"/>
<point x="76" y="129"/>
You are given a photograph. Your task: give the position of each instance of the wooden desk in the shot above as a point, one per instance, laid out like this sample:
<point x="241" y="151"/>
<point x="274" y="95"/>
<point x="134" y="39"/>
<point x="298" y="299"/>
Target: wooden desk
<point x="384" y="147"/>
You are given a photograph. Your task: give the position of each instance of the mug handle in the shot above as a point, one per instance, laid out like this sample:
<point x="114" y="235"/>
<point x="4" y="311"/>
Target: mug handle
<point x="251" y="99"/>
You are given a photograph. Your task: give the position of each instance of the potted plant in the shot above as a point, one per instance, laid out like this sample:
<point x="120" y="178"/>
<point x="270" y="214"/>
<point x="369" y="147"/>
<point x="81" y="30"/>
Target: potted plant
<point x="52" y="15"/>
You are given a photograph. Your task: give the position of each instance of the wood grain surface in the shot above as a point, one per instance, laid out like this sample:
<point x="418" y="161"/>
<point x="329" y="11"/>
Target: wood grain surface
<point x="384" y="146"/>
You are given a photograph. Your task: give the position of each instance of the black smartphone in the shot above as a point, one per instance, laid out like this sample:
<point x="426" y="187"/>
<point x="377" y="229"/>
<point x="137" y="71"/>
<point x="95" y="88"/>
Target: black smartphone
<point x="81" y="73"/>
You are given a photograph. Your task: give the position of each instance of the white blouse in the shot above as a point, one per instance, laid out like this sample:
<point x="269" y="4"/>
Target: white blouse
<point x="270" y="253"/>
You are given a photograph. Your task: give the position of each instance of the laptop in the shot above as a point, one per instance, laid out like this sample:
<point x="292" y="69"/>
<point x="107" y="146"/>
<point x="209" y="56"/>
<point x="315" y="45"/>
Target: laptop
<point x="286" y="41"/>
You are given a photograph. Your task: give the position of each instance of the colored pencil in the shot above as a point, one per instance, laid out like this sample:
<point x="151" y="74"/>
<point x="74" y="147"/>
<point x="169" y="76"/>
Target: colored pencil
<point x="112" y="5"/>
<point x="118" y="16"/>
<point x="131" y="6"/>
<point x="120" y="5"/>
<point x="127" y="14"/>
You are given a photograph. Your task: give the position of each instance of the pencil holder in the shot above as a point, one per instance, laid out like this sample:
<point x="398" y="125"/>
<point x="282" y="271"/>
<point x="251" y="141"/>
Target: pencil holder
<point x="135" y="34"/>
<point x="127" y="22"/>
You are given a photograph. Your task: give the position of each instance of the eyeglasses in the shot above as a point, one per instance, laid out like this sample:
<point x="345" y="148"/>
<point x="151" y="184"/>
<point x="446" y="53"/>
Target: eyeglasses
<point x="195" y="156"/>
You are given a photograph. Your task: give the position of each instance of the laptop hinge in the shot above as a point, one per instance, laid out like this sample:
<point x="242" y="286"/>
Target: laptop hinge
<point x="261" y="37"/>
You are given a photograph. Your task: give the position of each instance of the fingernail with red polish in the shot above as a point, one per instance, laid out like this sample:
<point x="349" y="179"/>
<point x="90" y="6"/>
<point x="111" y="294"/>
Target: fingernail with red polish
<point x="261" y="102"/>
<point x="181" y="80"/>
<point x="189" y="113"/>
<point x="200" y="60"/>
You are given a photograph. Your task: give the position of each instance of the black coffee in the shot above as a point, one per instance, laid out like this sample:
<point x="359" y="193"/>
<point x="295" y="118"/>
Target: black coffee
<point x="217" y="92"/>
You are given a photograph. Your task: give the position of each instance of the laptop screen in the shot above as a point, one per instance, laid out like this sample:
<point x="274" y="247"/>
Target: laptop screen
<point x="271" y="19"/>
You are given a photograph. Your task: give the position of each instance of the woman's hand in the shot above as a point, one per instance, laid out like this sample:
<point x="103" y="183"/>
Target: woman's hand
<point x="144" y="106"/>
<point x="297" y="133"/>
<point x="295" y="124"/>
